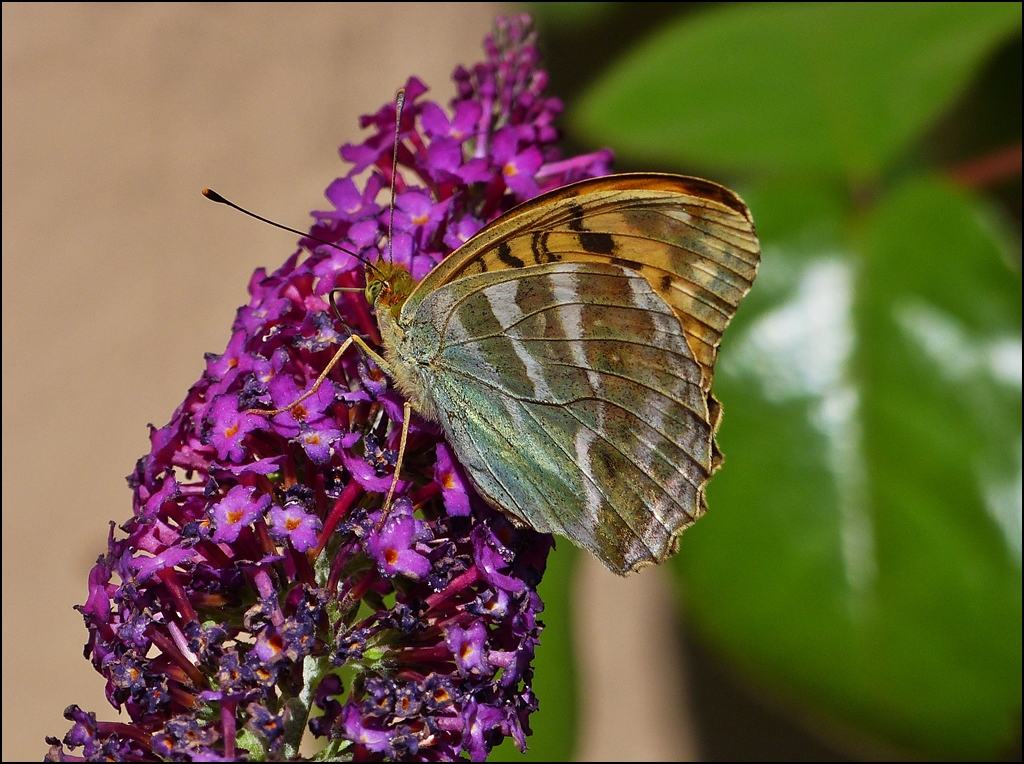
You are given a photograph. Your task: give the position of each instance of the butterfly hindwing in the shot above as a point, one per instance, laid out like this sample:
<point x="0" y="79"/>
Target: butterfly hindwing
<point x="571" y="397"/>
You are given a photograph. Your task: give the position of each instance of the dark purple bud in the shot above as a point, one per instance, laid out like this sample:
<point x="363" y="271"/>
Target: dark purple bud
<point x="325" y="698"/>
<point x="263" y="722"/>
<point x="490" y="603"/>
<point x="350" y="646"/>
<point x="380" y="697"/>
<point x="408" y="700"/>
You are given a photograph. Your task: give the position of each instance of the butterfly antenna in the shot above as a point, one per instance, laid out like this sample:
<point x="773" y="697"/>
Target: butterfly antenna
<point x="337" y="312"/>
<point x="399" y="103"/>
<point x="213" y="196"/>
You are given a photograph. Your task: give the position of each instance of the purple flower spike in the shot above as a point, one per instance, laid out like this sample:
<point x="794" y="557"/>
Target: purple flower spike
<point x="253" y="571"/>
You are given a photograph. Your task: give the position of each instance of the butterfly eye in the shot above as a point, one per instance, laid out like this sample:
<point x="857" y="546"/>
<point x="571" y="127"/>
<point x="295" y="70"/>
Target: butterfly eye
<point x="373" y="291"/>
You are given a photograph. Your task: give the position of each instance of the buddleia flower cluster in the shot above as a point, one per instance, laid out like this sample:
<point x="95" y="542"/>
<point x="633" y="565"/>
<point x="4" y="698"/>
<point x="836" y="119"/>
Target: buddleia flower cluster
<point x="258" y="595"/>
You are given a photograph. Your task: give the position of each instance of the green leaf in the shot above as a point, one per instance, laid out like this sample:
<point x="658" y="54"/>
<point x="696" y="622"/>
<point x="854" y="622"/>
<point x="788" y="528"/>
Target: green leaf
<point x="554" y="724"/>
<point x="862" y="551"/>
<point x="834" y="89"/>
<point x="554" y="15"/>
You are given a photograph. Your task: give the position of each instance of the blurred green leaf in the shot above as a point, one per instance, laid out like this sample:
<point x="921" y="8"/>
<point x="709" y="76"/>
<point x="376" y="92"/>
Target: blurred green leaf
<point x="554" y="725"/>
<point x="862" y="553"/>
<point x="570" y="14"/>
<point x="834" y="89"/>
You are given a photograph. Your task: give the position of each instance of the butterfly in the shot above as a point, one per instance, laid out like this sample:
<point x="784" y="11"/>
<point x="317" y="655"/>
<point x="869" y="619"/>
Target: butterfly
<point x="568" y="351"/>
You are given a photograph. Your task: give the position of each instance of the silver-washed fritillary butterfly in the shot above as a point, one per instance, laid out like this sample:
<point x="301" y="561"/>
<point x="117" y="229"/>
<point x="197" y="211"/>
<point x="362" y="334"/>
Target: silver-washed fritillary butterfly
<point x="568" y="349"/>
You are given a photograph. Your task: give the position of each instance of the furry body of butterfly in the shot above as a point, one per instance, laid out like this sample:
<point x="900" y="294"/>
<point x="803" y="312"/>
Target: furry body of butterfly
<point x="568" y="350"/>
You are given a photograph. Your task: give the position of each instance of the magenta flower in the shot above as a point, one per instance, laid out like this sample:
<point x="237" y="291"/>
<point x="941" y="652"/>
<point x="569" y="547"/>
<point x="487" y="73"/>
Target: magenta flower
<point x="518" y="167"/>
<point x="236" y="511"/>
<point x="469" y="648"/>
<point x="256" y="570"/>
<point x="461" y="126"/>
<point x="295" y="524"/>
<point x="350" y="202"/>
<point x="454" y="486"/>
<point x="394" y="546"/>
<point x="229" y="426"/>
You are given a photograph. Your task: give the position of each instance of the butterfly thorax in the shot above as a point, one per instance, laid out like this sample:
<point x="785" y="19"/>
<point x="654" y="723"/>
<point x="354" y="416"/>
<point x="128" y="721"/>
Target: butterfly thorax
<point x="388" y="286"/>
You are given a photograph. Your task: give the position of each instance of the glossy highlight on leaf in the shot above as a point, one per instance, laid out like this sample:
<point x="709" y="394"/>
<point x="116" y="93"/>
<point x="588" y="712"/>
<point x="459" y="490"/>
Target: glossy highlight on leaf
<point x="874" y="447"/>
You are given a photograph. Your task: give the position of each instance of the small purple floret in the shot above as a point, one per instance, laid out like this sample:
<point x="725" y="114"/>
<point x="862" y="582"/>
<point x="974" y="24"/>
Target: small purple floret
<point x="229" y="426"/>
<point x="236" y="511"/>
<point x="393" y="546"/>
<point x="292" y="522"/>
<point x="468" y="647"/>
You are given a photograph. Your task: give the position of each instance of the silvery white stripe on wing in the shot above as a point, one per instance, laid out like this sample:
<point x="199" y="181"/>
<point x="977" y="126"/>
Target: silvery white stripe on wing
<point x="671" y="486"/>
<point x="645" y="458"/>
<point x="565" y="288"/>
<point x="591" y="493"/>
<point x="595" y="494"/>
<point x="646" y="299"/>
<point x="572" y="326"/>
<point x="676" y="485"/>
<point x="565" y="284"/>
<point x="441" y="307"/>
<point x="502" y="298"/>
<point x="674" y="212"/>
<point x="515" y="412"/>
<point x="484" y="464"/>
<point x="664" y="320"/>
<point x="639" y="549"/>
<point x="458" y="333"/>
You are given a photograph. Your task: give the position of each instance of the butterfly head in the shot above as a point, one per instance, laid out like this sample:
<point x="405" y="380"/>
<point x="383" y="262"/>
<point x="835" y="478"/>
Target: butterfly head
<point x="387" y="287"/>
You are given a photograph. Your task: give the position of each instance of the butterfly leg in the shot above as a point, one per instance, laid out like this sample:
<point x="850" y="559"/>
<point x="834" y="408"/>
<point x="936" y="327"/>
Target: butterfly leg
<point x="406" y="414"/>
<point x="353" y="338"/>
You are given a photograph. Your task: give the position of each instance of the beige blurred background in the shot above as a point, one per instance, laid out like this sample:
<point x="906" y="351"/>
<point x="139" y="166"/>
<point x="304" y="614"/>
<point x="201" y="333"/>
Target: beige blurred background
<point x="118" y="276"/>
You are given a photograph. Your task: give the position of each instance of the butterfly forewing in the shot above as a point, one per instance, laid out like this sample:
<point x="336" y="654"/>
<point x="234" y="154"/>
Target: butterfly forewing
<point x="572" y="400"/>
<point x="693" y="241"/>
<point x="568" y="352"/>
